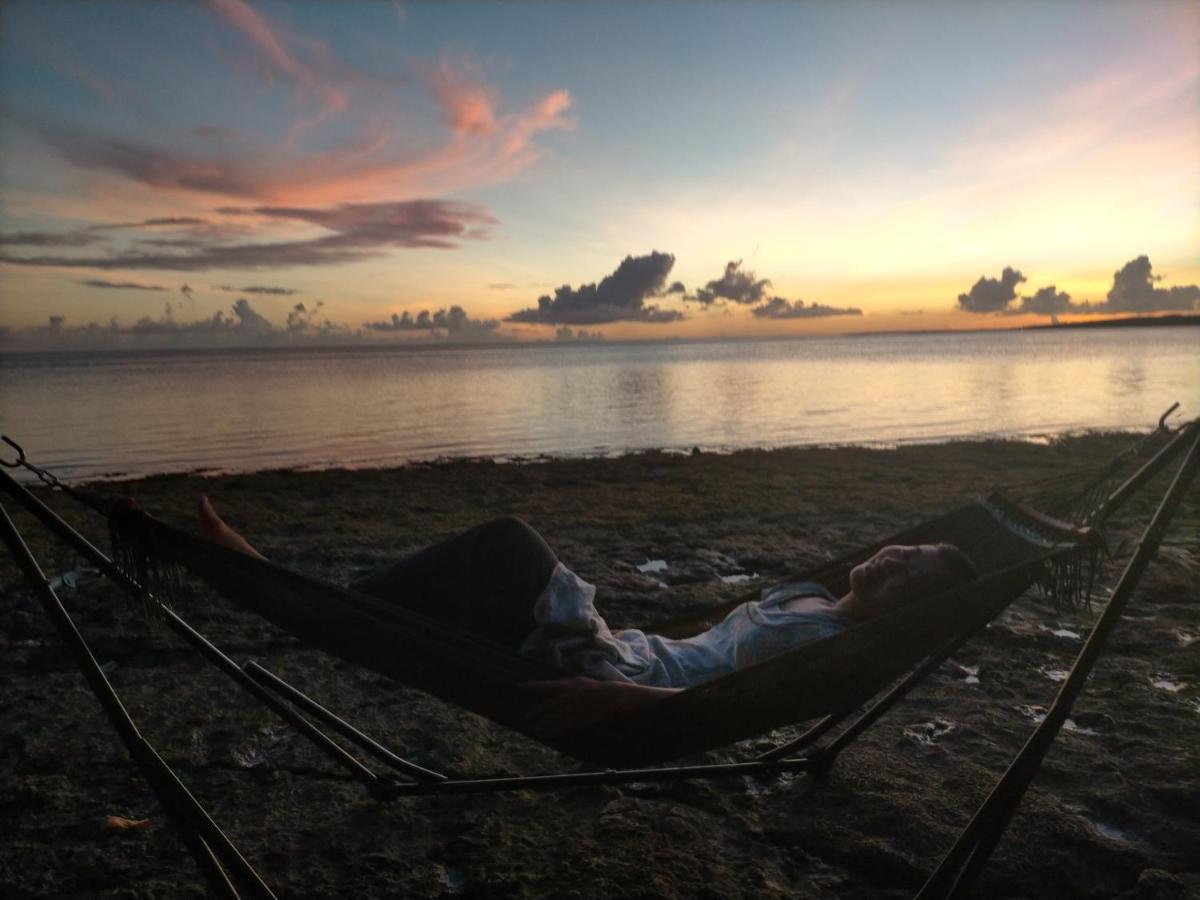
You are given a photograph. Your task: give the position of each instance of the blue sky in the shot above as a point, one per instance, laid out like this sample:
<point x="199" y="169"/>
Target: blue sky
<point x="872" y="162"/>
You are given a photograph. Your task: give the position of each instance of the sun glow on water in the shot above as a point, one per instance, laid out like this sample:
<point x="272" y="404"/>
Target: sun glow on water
<point x="135" y="414"/>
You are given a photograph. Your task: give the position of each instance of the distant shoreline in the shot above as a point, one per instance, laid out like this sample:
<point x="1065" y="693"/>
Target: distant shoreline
<point x="1174" y="320"/>
<point x="1134" y="322"/>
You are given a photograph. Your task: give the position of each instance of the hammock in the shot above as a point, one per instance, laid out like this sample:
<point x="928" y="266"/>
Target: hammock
<point x="1014" y="548"/>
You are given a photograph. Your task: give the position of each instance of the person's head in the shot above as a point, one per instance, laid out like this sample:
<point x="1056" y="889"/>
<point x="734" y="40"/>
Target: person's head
<point x="900" y="574"/>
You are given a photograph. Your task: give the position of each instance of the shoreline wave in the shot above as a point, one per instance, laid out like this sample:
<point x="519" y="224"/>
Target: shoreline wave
<point x="1036" y="438"/>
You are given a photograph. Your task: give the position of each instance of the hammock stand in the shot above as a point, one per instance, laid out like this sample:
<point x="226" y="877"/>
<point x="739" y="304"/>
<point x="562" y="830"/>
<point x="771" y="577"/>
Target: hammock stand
<point x="217" y="856"/>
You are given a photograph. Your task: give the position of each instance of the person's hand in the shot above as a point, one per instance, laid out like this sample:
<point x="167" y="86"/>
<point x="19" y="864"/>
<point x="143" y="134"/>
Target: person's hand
<point x="570" y="704"/>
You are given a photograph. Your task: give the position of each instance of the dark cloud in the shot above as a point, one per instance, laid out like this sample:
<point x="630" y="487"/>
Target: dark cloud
<point x="991" y="294"/>
<point x="148" y="165"/>
<point x="1047" y="301"/>
<point x="301" y="318"/>
<point x="619" y="297"/>
<point x="359" y="231"/>
<point x="1133" y="290"/>
<point x="48" y="239"/>
<point x="423" y="321"/>
<point x="170" y="220"/>
<point x="83" y="237"/>
<point x="187" y="291"/>
<point x="454" y="320"/>
<point x="409" y="223"/>
<point x="246" y="321"/>
<point x="244" y="327"/>
<point x="566" y="334"/>
<point x="120" y="285"/>
<point x="56" y="332"/>
<point x="743" y="286"/>
<point x="259" y="289"/>
<point x="736" y="284"/>
<point x="676" y="288"/>
<point x="177" y="243"/>
<point x="219" y="324"/>
<point x="237" y="256"/>
<point x="166" y="221"/>
<point x="779" y="308"/>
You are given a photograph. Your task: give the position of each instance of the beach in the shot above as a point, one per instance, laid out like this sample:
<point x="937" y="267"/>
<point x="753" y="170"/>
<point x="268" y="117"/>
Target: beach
<point x="1114" y="811"/>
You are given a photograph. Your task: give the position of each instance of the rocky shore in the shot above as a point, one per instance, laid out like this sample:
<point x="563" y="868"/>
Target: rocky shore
<point x="1114" y="812"/>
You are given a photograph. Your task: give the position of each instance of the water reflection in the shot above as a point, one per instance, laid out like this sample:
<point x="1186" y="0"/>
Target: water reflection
<point x="1128" y="376"/>
<point x="140" y="413"/>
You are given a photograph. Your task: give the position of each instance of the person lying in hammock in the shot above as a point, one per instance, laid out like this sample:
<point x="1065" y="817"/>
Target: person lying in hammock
<point x="502" y="581"/>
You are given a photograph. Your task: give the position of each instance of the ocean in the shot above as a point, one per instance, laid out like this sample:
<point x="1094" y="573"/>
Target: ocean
<point x="128" y="414"/>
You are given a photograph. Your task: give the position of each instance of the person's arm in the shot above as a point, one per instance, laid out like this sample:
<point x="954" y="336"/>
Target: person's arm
<point x="568" y="704"/>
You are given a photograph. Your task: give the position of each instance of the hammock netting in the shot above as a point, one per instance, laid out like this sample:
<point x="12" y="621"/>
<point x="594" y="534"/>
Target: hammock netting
<point x="1013" y="548"/>
<point x="1015" y="540"/>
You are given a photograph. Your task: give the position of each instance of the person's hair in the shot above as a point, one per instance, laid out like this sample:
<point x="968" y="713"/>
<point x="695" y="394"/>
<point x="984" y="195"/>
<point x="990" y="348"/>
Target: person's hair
<point x="959" y="564"/>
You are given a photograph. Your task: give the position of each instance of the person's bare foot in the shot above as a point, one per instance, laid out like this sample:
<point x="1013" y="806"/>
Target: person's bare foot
<point x="214" y="528"/>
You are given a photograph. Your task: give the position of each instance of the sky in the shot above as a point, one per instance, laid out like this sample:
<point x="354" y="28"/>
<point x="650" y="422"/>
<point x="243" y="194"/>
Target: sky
<point x="260" y="172"/>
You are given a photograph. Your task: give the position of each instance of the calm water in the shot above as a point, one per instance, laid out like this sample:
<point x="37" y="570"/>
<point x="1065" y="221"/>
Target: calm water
<point x="137" y="413"/>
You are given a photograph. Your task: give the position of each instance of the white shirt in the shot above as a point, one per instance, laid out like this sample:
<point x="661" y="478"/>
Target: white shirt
<point x="572" y="636"/>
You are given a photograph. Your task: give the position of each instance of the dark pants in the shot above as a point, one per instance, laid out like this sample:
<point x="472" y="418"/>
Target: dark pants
<point x="485" y="580"/>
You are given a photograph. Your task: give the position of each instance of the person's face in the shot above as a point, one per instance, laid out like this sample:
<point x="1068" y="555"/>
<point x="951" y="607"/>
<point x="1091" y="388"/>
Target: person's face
<point x="899" y="573"/>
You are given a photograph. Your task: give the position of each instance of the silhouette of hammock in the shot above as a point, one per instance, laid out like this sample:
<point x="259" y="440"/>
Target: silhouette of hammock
<point x="471" y="671"/>
<point x="1014" y="546"/>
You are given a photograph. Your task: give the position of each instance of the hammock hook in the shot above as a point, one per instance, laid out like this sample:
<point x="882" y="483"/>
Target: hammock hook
<point x="47" y="478"/>
<point x="20" y="453"/>
<point x="1162" y="420"/>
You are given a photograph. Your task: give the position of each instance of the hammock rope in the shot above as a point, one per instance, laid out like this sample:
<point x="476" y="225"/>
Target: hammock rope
<point x="1091" y="500"/>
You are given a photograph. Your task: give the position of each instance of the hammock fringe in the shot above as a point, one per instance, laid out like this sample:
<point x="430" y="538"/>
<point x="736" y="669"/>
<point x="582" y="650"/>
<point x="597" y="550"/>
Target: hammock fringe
<point x="138" y="554"/>
<point x="1068" y="575"/>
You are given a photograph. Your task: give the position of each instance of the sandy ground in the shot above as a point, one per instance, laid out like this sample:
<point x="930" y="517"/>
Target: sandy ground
<point x="1115" y="811"/>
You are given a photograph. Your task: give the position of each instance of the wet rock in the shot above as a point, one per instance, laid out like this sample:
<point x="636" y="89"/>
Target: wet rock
<point x="19" y="626"/>
<point x="1157" y="884"/>
<point x="715" y="559"/>
<point x="690" y="572"/>
<point x="929" y="733"/>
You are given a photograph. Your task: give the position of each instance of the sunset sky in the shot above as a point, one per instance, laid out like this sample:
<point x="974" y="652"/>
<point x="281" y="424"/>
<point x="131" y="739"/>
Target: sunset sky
<point x="253" y="171"/>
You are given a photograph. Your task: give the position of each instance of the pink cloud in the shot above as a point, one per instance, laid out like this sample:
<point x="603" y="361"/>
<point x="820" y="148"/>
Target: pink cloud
<point x="366" y="167"/>
<point x="485" y="144"/>
<point x="315" y="79"/>
<point x="369" y="154"/>
<point x="548" y="114"/>
<point x="468" y="105"/>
